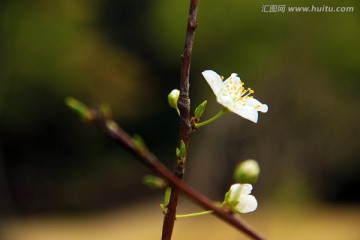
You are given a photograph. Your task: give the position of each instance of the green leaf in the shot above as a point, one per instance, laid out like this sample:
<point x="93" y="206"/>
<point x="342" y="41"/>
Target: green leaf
<point x="200" y="109"/>
<point x="182" y="152"/>
<point x="166" y="197"/>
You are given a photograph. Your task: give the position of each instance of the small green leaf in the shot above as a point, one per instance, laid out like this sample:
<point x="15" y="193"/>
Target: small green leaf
<point x="232" y="204"/>
<point x="166" y="199"/>
<point x="177" y="152"/>
<point x="163" y="207"/>
<point x="182" y="152"/>
<point x="200" y="109"/>
<point x="154" y="182"/>
<point x="227" y="195"/>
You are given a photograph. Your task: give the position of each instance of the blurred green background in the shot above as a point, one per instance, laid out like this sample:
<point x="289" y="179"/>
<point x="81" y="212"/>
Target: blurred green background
<point x="305" y="66"/>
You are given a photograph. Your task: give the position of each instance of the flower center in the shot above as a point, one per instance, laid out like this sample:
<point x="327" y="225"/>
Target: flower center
<point x="239" y="94"/>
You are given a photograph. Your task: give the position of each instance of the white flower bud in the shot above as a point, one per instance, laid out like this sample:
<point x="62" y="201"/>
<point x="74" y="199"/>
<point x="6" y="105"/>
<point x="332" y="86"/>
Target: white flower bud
<point x="247" y="172"/>
<point x="173" y="98"/>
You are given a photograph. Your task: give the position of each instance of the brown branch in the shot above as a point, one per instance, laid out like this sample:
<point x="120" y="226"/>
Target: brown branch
<point x="111" y="129"/>
<point x="185" y="119"/>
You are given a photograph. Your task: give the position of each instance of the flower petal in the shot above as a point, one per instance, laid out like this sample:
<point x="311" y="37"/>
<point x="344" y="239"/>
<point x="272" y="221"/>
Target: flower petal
<point x="233" y="77"/>
<point x="263" y="108"/>
<point x="235" y="191"/>
<point x="254" y="102"/>
<point x="226" y="101"/>
<point x="247" y="203"/>
<point x="214" y="80"/>
<point x="246" y="188"/>
<point x="246" y="112"/>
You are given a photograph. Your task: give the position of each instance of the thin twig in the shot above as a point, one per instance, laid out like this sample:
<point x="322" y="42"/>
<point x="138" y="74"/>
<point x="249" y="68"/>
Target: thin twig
<point x="185" y="119"/>
<point x="111" y="129"/>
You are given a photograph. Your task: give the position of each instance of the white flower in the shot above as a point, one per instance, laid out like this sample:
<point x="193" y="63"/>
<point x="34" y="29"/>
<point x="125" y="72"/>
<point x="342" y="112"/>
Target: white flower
<point x="239" y="199"/>
<point x="232" y="95"/>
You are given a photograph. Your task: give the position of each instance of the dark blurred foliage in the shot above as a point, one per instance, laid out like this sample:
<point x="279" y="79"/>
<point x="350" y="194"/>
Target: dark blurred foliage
<point x="306" y="67"/>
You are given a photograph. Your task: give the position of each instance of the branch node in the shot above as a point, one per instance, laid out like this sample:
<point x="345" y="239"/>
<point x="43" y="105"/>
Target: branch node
<point x="194" y="24"/>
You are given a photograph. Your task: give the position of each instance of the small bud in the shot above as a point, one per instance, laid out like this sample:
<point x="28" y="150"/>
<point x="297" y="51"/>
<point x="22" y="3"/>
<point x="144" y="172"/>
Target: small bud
<point x="178" y="152"/>
<point x="166" y="201"/>
<point x="200" y="110"/>
<point x="139" y="143"/>
<point x="173" y="98"/>
<point x="247" y="172"/>
<point x="105" y="110"/>
<point x="112" y="126"/>
<point x="182" y="151"/>
<point x="154" y="182"/>
<point x="79" y="107"/>
<point x="239" y="200"/>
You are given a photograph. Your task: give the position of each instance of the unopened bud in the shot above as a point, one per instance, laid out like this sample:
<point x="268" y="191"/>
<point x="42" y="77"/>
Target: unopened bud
<point x="247" y="172"/>
<point x="154" y="182"/>
<point x="139" y="143"/>
<point x="173" y="98"/>
<point x="105" y="110"/>
<point x="164" y="205"/>
<point x="181" y="151"/>
<point x="80" y="108"/>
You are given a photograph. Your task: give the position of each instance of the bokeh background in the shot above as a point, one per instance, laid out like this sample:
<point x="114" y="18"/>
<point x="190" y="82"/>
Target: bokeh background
<point x="60" y="178"/>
